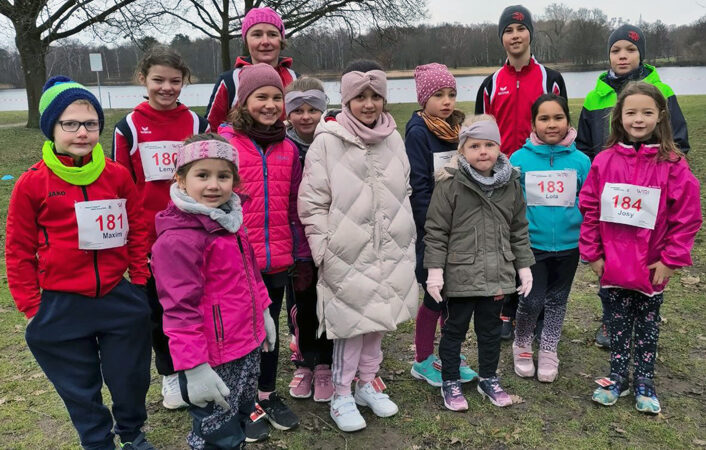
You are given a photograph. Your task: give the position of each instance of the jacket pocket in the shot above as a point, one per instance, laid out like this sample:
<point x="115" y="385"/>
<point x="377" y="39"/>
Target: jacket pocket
<point x="218" y="328"/>
<point x="461" y="274"/>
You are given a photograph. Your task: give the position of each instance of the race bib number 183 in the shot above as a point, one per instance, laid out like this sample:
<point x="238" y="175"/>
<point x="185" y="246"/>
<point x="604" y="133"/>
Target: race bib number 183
<point x="551" y="188"/>
<point x="630" y="205"/>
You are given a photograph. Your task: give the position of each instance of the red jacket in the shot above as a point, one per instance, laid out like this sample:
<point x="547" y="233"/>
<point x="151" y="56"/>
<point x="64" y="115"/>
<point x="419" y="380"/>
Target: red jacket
<point x="163" y="129"/>
<point x="508" y="95"/>
<point x="270" y="181"/>
<point x="42" y="250"/>
<point x="210" y="287"/>
<point x="626" y="249"/>
<point x="223" y="97"/>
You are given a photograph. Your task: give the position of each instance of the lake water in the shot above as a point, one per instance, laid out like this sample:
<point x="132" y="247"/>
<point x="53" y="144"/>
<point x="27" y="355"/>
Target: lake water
<point x="684" y="81"/>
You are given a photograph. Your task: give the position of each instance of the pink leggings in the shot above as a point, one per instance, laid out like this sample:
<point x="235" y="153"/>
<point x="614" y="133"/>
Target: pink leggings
<point x="362" y="354"/>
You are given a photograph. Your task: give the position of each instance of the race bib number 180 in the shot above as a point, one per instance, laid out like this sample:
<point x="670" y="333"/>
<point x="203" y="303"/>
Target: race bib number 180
<point x="158" y="159"/>
<point x="101" y="224"/>
<point x="630" y="205"/>
<point x="551" y="188"/>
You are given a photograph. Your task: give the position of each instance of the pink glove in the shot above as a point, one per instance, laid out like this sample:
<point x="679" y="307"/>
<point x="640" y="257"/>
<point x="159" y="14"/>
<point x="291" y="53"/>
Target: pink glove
<point x="435" y="282"/>
<point x="525" y="275"/>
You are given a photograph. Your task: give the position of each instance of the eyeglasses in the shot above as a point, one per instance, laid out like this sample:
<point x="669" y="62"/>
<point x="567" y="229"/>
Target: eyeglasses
<point x="72" y="126"/>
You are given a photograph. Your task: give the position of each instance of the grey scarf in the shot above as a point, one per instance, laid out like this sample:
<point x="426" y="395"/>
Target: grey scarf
<point x="501" y="174"/>
<point x="229" y="215"/>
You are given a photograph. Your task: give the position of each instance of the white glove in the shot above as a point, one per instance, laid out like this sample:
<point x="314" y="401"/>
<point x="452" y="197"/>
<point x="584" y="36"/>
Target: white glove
<point x="525" y="275"/>
<point x="435" y="282"/>
<point x="271" y="331"/>
<point x="204" y="385"/>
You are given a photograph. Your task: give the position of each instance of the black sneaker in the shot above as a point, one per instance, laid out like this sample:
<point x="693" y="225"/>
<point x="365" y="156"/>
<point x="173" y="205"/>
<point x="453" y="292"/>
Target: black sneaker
<point x="508" y="328"/>
<point x="279" y="415"/>
<point x="139" y="443"/>
<point x="256" y="428"/>
<point x="603" y="336"/>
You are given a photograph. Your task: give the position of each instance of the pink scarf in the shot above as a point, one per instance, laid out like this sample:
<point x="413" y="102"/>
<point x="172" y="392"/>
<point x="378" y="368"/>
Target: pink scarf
<point x="383" y="127"/>
<point x="567" y="141"/>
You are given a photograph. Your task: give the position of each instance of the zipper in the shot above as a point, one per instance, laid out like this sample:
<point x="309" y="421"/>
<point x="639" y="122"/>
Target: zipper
<point x="95" y="253"/>
<point x="214" y="312"/>
<point x="46" y="236"/>
<point x="268" y="256"/>
<point x="252" y="295"/>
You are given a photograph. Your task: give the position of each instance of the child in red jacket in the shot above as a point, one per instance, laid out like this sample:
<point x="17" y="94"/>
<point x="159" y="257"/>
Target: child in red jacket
<point x="74" y="226"/>
<point x="146" y="141"/>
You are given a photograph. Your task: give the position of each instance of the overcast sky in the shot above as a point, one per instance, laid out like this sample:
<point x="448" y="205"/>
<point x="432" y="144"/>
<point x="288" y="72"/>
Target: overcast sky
<point x="677" y="12"/>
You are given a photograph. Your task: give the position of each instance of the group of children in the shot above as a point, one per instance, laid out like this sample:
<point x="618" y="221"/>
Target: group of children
<point x="336" y="212"/>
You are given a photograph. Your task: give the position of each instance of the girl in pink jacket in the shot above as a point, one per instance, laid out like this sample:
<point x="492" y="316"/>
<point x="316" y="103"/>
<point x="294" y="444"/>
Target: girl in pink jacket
<point x="642" y="209"/>
<point x="215" y="303"/>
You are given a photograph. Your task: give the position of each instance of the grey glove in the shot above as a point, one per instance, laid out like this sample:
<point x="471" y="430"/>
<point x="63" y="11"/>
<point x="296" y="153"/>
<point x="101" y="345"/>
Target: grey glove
<point x="271" y="331"/>
<point x="204" y="385"/>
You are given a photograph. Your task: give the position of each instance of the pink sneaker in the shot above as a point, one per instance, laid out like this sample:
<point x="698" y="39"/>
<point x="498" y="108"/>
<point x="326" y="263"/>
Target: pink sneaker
<point x="522" y="356"/>
<point x="300" y="386"/>
<point x="547" y="366"/>
<point x="323" y="386"/>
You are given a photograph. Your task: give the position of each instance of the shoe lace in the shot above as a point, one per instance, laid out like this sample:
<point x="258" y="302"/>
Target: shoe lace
<point x="322" y="379"/>
<point x="495" y="385"/>
<point x="455" y="390"/>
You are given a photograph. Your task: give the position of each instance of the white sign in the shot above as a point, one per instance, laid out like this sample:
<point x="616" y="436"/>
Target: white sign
<point x="101" y="224"/>
<point x="96" y="62"/>
<point x="551" y="188"/>
<point x="630" y="205"/>
<point x="158" y="159"/>
<point x="442" y="158"/>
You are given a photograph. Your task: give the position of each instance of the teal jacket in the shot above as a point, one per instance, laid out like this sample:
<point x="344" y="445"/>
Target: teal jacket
<point x="594" y="123"/>
<point x="552" y="228"/>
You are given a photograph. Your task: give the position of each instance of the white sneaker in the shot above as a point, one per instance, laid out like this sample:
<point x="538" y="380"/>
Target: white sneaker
<point x="172" y="392"/>
<point x="380" y="403"/>
<point x="346" y="414"/>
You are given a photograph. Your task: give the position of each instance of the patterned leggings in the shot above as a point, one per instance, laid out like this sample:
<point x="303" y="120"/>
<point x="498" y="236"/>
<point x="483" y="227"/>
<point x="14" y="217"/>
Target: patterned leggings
<point x="552" y="277"/>
<point x="215" y="428"/>
<point x="630" y="309"/>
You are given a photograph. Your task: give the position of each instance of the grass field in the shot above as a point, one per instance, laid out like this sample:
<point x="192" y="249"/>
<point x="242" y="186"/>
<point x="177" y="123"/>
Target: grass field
<point x="558" y="415"/>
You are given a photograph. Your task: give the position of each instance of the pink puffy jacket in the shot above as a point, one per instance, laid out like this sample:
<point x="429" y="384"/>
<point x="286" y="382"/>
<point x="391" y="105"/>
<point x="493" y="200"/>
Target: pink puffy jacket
<point x="210" y="287"/>
<point x="628" y="250"/>
<point x="270" y="181"/>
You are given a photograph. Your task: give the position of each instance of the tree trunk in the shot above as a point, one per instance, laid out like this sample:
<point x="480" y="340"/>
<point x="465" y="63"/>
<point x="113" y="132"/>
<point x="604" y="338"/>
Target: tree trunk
<point x="225" y="38"/>
<point x="32" y="53"/>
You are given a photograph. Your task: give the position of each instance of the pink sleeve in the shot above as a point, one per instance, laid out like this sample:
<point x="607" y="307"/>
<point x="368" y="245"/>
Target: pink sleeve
<point x="301" y="246"/>
<point x="590" y="242"/>
<point x="178" y="274"/>
<point x="683" y="216"/>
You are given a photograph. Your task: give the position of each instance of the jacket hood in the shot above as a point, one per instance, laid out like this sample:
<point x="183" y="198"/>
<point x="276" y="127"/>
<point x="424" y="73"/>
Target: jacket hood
<point x="328" y="125"/>
<point x="160" y="116"/>
<point x="174" y="218"/>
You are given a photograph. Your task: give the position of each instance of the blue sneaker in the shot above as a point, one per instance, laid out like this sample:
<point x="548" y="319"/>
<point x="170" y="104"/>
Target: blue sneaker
<point x="428" y="370"/>
<point x="608" y="393"/>
<point x="467" y="374"/>
<point x="645" y="396"/>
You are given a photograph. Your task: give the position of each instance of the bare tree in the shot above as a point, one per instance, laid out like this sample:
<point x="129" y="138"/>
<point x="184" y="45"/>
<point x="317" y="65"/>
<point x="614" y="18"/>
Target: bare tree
<point x="39" y="23"/>
<point x="221" y="19"/>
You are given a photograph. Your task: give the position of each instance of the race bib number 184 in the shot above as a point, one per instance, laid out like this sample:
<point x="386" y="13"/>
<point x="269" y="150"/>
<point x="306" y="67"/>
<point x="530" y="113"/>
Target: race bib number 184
<point x="630" y="205"/>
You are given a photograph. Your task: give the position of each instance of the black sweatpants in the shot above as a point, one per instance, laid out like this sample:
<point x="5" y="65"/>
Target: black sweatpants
<point x="268" y="361"/>
<point x="457" y="313"/>
<point x="160" y="342"/>
<point x="79" y="342"/>
<point x="313" y="349"/>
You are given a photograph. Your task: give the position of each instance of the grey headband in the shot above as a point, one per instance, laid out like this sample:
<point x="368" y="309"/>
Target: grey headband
<point x="484" y="129"/>
<point x="314" y="97"/>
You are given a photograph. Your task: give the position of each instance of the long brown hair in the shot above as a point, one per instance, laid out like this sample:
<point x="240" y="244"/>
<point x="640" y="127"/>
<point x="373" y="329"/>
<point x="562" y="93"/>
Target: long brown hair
<point x="662" y="132"/>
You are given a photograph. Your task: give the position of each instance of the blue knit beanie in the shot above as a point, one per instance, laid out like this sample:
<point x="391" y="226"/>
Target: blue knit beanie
<point x="57" y="94"/>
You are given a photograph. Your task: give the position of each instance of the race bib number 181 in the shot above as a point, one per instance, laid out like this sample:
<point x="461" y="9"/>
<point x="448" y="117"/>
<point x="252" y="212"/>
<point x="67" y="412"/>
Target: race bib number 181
<point x="101" y="224"/>
<point x="630" y="205"/>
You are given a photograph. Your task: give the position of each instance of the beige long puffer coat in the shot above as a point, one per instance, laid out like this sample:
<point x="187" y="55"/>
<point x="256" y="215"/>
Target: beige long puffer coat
<point x="354" y="204"/>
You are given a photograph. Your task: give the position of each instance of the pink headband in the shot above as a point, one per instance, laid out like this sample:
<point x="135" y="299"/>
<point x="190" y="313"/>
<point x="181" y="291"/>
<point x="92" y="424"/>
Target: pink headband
<point x="353" y="83"/>
<point x="206" y="149"/>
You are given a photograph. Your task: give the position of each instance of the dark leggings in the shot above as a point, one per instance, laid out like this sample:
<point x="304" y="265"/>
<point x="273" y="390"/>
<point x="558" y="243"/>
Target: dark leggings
<point x="457" y="313"/>
<point x="313" y="349"/>
<point x="275" y="285"/>
<point x="160" y="342"/>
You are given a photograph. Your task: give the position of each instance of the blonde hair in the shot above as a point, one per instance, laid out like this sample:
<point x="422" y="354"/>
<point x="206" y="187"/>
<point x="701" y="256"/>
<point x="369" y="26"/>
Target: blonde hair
<point x="305" y="84"/>
<point x="470" y="120"/>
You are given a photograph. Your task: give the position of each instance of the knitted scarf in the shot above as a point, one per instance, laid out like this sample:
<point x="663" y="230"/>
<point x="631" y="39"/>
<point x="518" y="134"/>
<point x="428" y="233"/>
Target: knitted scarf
<point x="500" y="176"/>
<point x="229" y="215"/>
<point x="78" y="176"/>
<point x="441" y="128"/>
<point x="382" y="128"/>
<point x="617" y="82"/>
<point x="264" y="136"/>
<point x="567" y="141"/>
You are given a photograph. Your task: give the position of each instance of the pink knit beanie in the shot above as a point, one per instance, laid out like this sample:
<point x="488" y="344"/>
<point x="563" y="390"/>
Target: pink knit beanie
<point x="430" y="78"/>
<point x="252" y="78"/>
<point x="262" y="15"/>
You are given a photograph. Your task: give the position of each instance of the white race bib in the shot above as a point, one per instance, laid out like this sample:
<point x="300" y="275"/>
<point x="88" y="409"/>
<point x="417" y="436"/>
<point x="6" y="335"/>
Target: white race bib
<point x="441" y="158"/>
<point x="551" y="188"/>
<point x="630" y="205"/>
<point x="101" y="224"/>
<point x="158" y="159"/>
